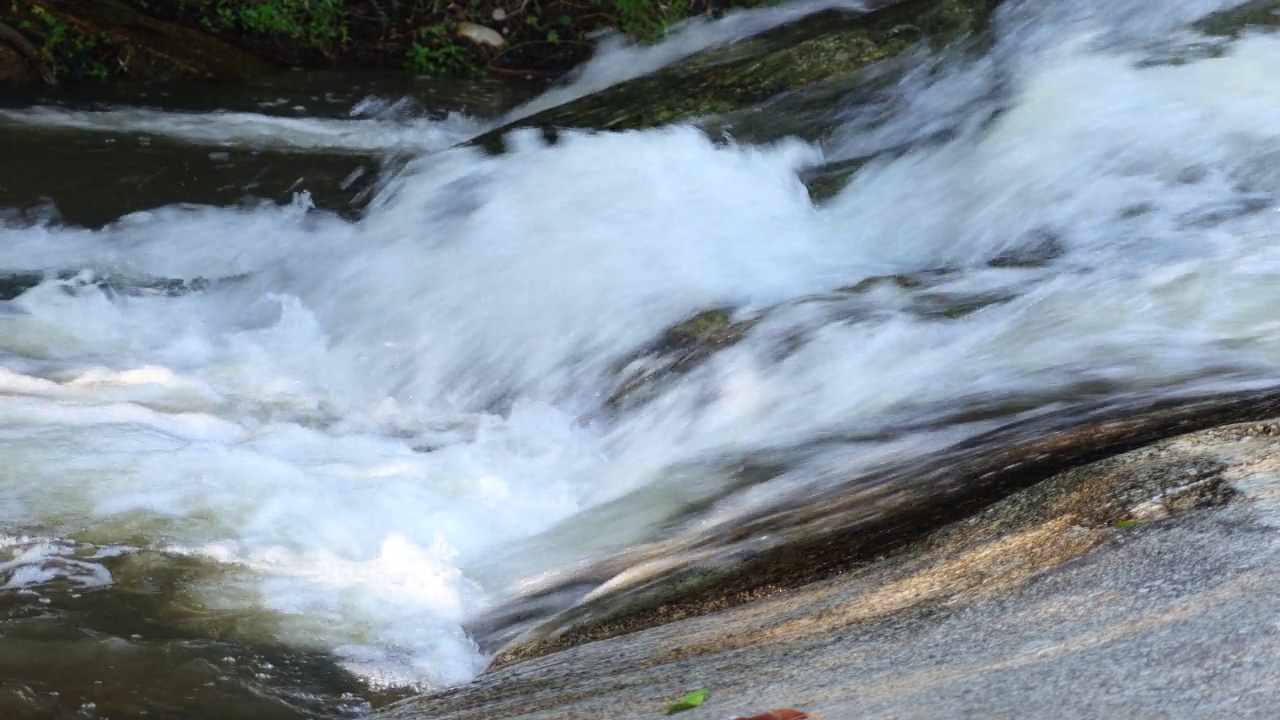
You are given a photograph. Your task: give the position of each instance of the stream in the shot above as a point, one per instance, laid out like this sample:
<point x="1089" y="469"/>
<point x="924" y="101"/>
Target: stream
<point x="294" y="383"/>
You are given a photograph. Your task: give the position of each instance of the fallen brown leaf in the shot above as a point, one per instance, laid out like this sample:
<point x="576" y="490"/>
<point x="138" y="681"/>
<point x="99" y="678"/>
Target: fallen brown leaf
<point x="781" y="714"/>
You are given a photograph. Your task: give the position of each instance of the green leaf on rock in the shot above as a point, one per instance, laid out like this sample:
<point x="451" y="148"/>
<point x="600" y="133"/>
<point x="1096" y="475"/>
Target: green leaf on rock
<point x="690" y="700"/>
<point x="1126" y="524"/>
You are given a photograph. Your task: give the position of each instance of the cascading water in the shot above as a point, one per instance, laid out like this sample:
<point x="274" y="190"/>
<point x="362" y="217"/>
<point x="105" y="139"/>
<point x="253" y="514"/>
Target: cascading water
<point x="337" y="437"/>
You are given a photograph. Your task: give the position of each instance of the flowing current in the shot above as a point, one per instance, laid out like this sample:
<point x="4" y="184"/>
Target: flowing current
<point x="341" y="437"/>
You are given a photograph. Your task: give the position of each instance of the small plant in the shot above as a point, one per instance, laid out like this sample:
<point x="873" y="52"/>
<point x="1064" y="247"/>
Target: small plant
<point x="435" y="52"/>
<point x="688" y="702"/>
<point x="321" y="24"/>
<point x="71" y="53"/>
<point x="644" y="20"/>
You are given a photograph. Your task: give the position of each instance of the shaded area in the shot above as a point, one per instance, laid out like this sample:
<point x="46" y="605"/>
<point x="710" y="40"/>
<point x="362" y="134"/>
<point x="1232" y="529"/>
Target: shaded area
<point x="90" y="179"/>
<point x="76" y="39"/>
<point x="146" y="647"/>
<point x="55" y="40"/>
<point x="537" y="37"/>
<point x="88" y="153"/>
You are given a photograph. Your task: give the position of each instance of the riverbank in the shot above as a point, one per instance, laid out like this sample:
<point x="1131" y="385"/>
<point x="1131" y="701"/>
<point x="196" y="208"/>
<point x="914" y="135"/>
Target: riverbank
<point x="55" y="41"/>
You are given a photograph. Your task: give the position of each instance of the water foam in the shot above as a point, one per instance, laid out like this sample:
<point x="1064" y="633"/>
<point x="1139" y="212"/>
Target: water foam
<point x="253" y="130"/>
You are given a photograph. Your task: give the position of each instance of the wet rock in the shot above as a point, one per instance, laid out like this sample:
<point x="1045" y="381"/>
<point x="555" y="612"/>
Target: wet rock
<point x="903" y="281"/>
<point x="1134" y="583"/>
<point x="786" y="327"/>
<point x="676" y="351"/>
<point x="13" y="286"/>
<point x="826" y="47"/>
<point x="1234" y="21"/>
<point x="1042" y="248"/>
<point x="835" y="524"/>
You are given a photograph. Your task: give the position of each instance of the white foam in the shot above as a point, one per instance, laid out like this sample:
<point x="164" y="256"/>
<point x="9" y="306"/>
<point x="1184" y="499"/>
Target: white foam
<point x="253" y="130"/>
<point x="28" y="563"/>
<point x="543" y="266"/>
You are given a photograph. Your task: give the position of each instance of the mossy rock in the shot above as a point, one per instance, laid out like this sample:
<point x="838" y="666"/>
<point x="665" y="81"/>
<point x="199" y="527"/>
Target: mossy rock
<point x="1233" y="22"/>
<point x="819" y="48"/>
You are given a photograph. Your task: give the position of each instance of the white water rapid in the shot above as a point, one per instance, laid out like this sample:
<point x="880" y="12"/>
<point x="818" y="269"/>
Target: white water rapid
<point x="356" y="419"/>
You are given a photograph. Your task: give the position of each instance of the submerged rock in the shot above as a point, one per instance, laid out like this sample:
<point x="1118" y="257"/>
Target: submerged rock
<point x="127" y="634"/>
<point x="675" y="352"/>
<point x="689" y="344"/>
<point x="1135" y="584"/>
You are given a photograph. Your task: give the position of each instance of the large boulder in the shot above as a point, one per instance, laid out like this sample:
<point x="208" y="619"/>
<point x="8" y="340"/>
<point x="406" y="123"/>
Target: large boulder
<point x="827" y="527"/>
<point x="1139" y="585"/>
<point x="825" y="47"/>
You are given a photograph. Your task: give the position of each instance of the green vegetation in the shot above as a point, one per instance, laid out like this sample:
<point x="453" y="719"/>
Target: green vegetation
<point x="70" y="52"/>
<point x="421" y="35"/>
<point x="321" y="24"/>
<point x="538" y="37"/>
<point x="1232" y="22"/>
<point x="644" y="20"/>
<point x="688" y="702"/>
<point x="540" y="33"/>
<point x="1125" y="524"/>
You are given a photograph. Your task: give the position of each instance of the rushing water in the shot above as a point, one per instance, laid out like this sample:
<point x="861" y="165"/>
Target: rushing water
<point x="259" y="458"/>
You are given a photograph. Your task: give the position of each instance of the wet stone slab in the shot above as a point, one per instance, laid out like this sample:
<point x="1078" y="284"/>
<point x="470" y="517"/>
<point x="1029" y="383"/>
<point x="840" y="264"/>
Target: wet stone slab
<point x="1139" y="585"/>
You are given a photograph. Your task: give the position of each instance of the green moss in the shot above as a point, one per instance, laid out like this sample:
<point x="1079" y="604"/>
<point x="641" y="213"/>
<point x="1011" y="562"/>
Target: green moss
<point x="70" y="51"/>
<point x="827" y="47"/>
<point x="1232" y="22"/>
<point x="436" y="51"/>
<point x="320" y="24"/>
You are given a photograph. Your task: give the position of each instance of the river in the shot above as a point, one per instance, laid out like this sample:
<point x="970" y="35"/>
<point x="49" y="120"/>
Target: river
<point x="292" y="385"/>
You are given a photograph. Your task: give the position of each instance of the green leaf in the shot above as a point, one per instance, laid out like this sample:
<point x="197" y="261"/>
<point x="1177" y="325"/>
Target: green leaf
<point x="691" y="700"/>
<point x="1127" y="524"/>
